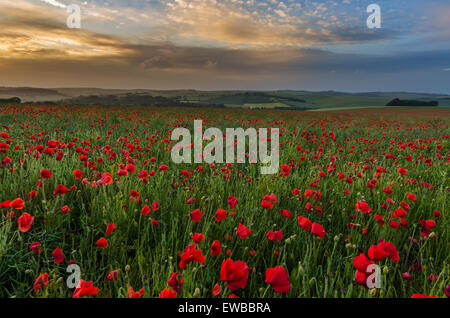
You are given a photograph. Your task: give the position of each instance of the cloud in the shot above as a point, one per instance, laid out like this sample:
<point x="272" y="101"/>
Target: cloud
<point x="55" y="3"/>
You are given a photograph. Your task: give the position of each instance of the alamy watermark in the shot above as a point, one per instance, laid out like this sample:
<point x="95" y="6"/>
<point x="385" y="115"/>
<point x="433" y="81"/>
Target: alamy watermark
<point x="74" y="19"/>
<point x="235" y="138"/>
<point x="374" y="20"/>
<point x="74" y="278"/>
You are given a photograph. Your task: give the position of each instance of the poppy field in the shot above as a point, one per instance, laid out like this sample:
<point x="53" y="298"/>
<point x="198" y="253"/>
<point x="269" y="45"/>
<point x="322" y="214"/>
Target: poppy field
<point x="92" y="191"/>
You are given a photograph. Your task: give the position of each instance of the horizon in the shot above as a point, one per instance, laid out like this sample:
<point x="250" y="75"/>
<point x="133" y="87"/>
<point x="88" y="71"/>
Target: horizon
<point x="227" y="45"/>
<point x="227" y="90"/>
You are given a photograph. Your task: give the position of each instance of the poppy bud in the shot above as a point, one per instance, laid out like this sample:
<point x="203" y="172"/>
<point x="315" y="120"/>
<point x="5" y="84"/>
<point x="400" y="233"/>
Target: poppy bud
<point x="127" y="268"/>
<point x="196" y="293"/>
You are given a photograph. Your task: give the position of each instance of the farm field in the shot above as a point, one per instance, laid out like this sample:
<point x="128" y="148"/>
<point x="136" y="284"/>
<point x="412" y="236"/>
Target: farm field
<point x="96" y="187"/>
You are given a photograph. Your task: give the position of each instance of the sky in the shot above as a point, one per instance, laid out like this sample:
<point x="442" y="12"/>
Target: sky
<point x="227" y="44"/>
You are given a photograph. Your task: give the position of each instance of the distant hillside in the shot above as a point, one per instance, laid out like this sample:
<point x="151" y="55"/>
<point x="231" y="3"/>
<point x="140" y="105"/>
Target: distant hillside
<point x="275" y="99"/>
<point x="411" y="102"/>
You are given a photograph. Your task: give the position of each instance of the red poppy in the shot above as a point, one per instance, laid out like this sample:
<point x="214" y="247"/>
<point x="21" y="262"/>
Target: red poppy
<point x="146" y="210"/>
<point x="390" y="249"/>
<point x="275" y="236"/>
<point x="191" y="254"/>
<point x="110" y="228"/>
<point x="85" y="288"/>
<point x="235" y="274"/>
<point x="279" y="279"/>
<point x="304" y="223"/>
<point x="266" y="204"/>
<point x="216" y="248"/>
<point x="35" y="247"/>
<point x="155" y="206"/>
<point x="422" y="296"/>
<point x="318" y="230"/>
<point x="45" y="174"/>
<point x="221" y="215"/>
<point x="60" y="190"/>
<point x="411" y="197"/>
<point x="65" y="209"/>
<point x="102" y="243"/>
<point x="113" y="275"/>
<point x="243" y="232"/>
<point x="232" y="201"/>
<point x="376" y="253"/>
<point x="168" y="293"/>
<point x="41" y="281"/>
<point x="176" y="282"/>
<point x="135" y="294"/>
<point x="216" y="290"/>
<point x="196" y="215"/>
<point x="78" y="174"/>
<point x="363" y="207"/>
<point x="197" y="237"/>
<point x="25" y="221"/>
<point x="58" y="255"/>
<point x="17" y="204"/>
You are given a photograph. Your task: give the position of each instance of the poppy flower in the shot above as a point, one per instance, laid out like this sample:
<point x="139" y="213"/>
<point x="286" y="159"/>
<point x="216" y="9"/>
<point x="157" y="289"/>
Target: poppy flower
<point x="363" y="207"/>
<point x="400" y="213"/>
<point x="407" y="276"/>
<point x="41" y="281"/>
<point x="196" y="215"/>
<point x="318" y="230"/>
<point x="376" y="253"/>
<point x="85" y="288"/>
<point x="45" y="174"/>
<point x="113" y="275"/>
<point x="176" y="282"/>
<point x="78" y="174"/>
<point x="110" y="228"/>
<point x="60" y="190"/>
<point x="58" y="255"/>
<point x="235" y="274"/>
<point x="106" y="179"/>
<point x="168" y="293"/>
<point x="286" y="213"/>
<point x="422" y="296"/>
<point x="275" y="236"/>
<point x="65" y="209"/>
<point x="279" y="279"/>
<point x="361" y="262"/>
<point x="5" y="204"/>
<point x="35" y="247"/>
<point x="197" y="237"/>
<point x="266" y="204"/>
<point x="135" y="294"/>
<point x="411" y="197"/>
<point x="390" y="249"/>
<point x="232" y="201"/>
<point x="243" y="232"/>
<point x="191" y="254"/>
<point x="17" y="204"/>
<point x="216" y="290"/>
<point x="221" y="215"/>
<point x="216" y="248"/>
<point x="155" y="206"/>
<point x="304" y="223"/>
<point x="25" y="221"/>
<point x="146" y="210"/>
<point x="102" y="243"/>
